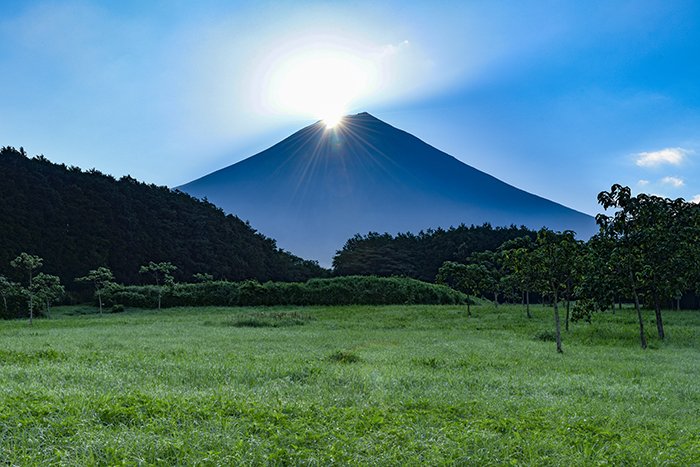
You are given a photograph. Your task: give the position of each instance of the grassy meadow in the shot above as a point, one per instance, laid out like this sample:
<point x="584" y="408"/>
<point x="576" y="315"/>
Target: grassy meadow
<point x="379" y="385"/>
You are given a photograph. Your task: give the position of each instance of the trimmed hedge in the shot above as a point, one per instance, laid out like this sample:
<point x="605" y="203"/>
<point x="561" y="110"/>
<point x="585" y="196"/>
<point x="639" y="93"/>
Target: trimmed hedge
<point x="349" y="290"/>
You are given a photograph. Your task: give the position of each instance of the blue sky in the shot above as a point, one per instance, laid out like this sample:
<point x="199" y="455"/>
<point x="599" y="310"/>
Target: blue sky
<point x="559" y="98"/>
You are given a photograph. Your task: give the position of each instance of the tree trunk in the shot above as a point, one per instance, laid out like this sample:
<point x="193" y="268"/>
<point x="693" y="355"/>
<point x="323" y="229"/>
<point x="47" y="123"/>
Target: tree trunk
<point x="556" y="323"/>
<point x="527" y="304"/>
<point x="31" y="300"/>
<point x="642" y="337"/>
<point x="469" y="301"/>
<point x="4" y="301"/>
<point x="495" y="299"/>
<point x="568" y="303"/>
<point x="659" y="321"/>
<point x="99" y="299"/>
<point x="159" y="295"/>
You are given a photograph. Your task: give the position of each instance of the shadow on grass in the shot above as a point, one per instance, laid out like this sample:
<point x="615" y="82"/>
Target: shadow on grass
<point x="266" y="319"/>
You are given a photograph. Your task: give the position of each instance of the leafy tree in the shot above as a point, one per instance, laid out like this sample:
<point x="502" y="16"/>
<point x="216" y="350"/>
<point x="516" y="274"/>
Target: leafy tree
<point x="203" y="277"/>
<point x="571" y="253"/>
<point x="518" y="260"/>
<point x="47" y="288"/>
<point x="600" y="283"/>
<point x="693" y="237"/>
<point x="655" y="240"/>
<point x="493" y="265"/>
<point x="101" y="278"/>
<point x="7" y="288"/>
<point x="510" y="288"/>
<point x="27" y="264"/>
<point x="161" y="274"/>
<point x="467" y="278"/>
<point x="667" y="249"/>
<point x="553" y="262"/>
<point x="625" y="236"/>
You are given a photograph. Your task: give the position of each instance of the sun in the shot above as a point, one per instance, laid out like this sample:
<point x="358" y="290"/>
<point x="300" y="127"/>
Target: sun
<point x="321" y="83"/>
<point x="331" y="121"/>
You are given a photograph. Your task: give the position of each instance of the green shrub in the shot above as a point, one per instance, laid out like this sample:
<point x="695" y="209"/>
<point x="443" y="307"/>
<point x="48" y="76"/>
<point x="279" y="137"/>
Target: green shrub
<point x="17" y="306"/>
<point x="348" y="290"/>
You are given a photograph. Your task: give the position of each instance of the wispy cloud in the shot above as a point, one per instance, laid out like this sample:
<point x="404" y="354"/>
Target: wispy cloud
<point x="695" y="199"/>
<point x="643" y="182"/>
<point x="673" y="156"/>
<point x="673" y="181"/>
<point x="392" y="49"/>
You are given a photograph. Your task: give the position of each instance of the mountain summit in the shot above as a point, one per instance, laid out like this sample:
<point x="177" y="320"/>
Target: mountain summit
<point x="320" y="186"/>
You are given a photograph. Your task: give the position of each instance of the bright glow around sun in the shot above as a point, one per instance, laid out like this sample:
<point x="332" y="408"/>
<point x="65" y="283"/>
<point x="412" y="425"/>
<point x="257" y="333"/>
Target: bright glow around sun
<point x="332" y="122"/>
<point x="319" y="82"/>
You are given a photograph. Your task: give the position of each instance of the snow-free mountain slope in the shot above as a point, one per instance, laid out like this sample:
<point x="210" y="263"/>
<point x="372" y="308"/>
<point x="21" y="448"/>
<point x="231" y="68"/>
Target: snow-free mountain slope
<point x="320" y="186"/>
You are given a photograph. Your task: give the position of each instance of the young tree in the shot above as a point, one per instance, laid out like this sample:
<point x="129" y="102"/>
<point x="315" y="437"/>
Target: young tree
<point x="467" y="278"/>
<point x="161" y="274"/>
<point x="572" y="250"/>
<point x="27" y="264"/>
<point x="47" y="289"/>
<point x="7" y="287"/>
<point x="492" y="263"/>
<point x="101" y="278"/>
<point x="623" y="232"/>
<point x="553" y="261"/>
<point x="599" y="281"/>
<point x="510" y="288"/>
<point x="517" y="258"/>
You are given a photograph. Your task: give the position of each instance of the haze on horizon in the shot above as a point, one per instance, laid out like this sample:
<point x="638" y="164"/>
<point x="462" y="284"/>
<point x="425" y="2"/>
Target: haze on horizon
<point x="560" y="99"/>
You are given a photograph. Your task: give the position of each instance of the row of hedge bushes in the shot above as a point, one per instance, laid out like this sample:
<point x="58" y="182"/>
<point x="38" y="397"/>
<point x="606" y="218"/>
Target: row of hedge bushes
<point x="349" y="290"/>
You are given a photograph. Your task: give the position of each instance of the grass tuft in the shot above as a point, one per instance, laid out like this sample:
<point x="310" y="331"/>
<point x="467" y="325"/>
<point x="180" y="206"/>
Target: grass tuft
<point x="546" y="336"/>
<point x="9" y="357"/>
<point x="344" y="356"/>
<point x="270" y="320"/>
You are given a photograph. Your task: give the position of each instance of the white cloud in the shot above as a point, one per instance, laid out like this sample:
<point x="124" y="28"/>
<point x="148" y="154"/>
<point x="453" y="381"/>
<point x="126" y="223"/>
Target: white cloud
<point x="695" y="199"/>
<point x="673" y="156"/>
<point x="643" y="182"/>
<point x="673" y="181"/>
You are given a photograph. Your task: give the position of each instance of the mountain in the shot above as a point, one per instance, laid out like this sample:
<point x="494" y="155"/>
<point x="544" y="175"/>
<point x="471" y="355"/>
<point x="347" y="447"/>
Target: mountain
<point x="79" y="221"/>
<point x="320" y="186"/>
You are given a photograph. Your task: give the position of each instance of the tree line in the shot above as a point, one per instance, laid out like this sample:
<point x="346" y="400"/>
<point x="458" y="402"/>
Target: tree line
<point x="647" y="252"/>
<point x="77" y="219"/>
<point x="419" y="255"/>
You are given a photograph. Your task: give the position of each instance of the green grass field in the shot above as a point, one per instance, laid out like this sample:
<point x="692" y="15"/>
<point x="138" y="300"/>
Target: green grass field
<point x="370" y="385"/>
